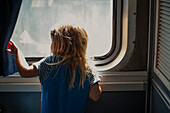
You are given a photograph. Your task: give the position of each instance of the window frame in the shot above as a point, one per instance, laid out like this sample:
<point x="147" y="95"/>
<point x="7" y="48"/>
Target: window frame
<point x="121" y="50"/>
<point x="115" y="43"/>
<point x="116" y="38"/>
<point x="125" y="39"/>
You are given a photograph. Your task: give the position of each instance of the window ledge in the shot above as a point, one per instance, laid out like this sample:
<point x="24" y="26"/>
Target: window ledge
<point x="16" y="78"/>
<point x="122" y="81"/>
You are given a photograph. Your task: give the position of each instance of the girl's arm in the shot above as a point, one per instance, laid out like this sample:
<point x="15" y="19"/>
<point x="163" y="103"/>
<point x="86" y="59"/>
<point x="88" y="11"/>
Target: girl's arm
<point x="95" y="91"/>
<point x="24" y="69"/>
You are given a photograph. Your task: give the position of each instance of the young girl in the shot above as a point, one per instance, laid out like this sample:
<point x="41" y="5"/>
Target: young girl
<point x="66" y="79"/>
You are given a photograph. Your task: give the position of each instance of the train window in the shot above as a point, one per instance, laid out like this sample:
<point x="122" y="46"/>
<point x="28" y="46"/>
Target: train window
<point x="106" y="22"/>
<point x="38" y="17"/>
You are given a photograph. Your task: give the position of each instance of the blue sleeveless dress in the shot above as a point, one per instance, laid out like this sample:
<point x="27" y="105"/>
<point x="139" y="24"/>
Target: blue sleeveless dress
<point x="56" y="96"/>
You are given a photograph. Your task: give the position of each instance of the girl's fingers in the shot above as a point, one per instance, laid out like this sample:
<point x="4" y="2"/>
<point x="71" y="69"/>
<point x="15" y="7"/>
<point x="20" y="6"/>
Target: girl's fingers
<point x="11" y="48"/>
<point x="10" y="44"/>
<point x="8" y="50"/>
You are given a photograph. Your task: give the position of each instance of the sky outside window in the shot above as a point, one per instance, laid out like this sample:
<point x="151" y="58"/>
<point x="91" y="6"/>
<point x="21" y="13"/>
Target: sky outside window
<point x="38" y="17"/>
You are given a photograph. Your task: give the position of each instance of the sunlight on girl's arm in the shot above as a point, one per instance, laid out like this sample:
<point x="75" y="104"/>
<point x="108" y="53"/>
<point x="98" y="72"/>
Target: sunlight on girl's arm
<point x="24" y="69"/>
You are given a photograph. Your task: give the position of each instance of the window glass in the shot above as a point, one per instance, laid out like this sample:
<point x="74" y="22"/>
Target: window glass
<point x="38" y="17"/>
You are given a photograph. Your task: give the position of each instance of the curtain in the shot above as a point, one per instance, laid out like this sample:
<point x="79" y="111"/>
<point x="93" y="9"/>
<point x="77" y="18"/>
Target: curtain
<point x="9" y="10"/>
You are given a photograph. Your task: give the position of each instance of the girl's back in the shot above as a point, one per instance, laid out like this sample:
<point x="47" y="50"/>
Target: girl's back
<point x="65" y="77"/>
<point x="56" y="95"/>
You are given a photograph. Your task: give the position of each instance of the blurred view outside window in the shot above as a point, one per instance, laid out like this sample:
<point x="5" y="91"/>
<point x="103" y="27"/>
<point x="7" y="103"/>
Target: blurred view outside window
<point x="38" y="17"/>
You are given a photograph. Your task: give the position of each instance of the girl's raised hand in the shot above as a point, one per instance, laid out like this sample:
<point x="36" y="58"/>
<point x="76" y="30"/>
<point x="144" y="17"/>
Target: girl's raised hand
<point x="12" y="48"/>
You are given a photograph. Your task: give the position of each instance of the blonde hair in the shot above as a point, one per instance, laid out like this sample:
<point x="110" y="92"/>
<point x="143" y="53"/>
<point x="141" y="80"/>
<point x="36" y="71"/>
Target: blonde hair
<point x="70" y="43"/>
